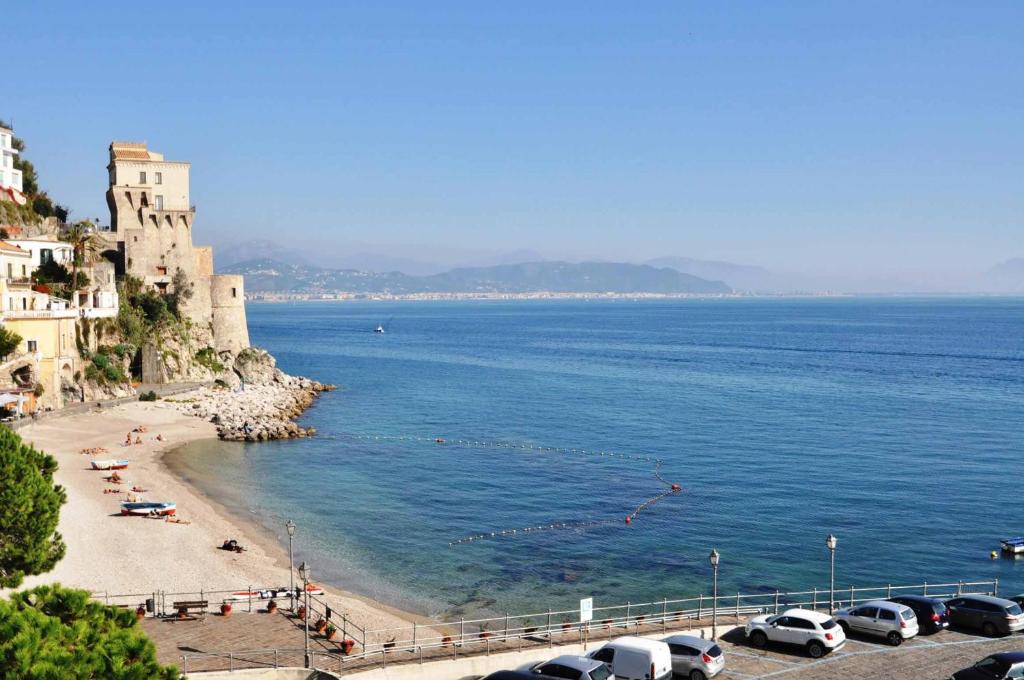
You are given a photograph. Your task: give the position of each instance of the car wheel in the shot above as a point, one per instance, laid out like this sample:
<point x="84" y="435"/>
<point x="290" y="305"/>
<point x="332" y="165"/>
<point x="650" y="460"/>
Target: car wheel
<point x="759" y="639"/>
<point x="815" y="649"/>
<point x="697" y="675"/>
<point x="989" y="629"/>
<point x="894" y="638"/>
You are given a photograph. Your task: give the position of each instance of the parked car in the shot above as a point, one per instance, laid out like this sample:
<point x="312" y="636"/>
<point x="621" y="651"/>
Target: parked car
<point x="814" y="631"/>
<point x="892" y="621"/>
<point x="694" y="657"/>
<point x="572" y="667"/>
<point x="633" y="658"/>
<point x="991" y="615"/>
<point x="995" y="667"/>
<point x="513" y="675"/>
<point x="1019" y="599"/>
<point x="931" y="613"/>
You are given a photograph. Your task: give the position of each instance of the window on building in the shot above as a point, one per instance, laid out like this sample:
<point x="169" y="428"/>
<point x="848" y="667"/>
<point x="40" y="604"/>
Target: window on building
<point x="32" y="345"/>
<point x="10" y="270"/>
<point x="142" y="178"/>
<point x="46" y="256"/>
<point x="159" y="202"/>
<point x="24" y="304"/>
<point x="159" y="178"/>
<point x="162" y="271"/>
<point x="234" y="292"/>
<point x="24" y="270"/>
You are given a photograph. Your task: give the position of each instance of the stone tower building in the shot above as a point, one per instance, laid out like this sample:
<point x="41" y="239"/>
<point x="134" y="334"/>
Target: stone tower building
<point x="151" y="219"/>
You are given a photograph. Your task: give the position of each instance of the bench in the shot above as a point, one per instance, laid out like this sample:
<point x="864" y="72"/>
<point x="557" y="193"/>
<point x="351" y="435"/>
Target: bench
<point x="185" y="609"/>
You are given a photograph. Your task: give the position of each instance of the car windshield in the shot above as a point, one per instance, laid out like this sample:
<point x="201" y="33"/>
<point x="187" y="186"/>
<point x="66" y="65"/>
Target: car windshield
<point x="907" y="614"/>
<point x="600" y="673"/>
<point x="939" y="608"/>
<point x="713" y="650"/>
<point x="828" y="624"/>
<point x="1013" y="610"/>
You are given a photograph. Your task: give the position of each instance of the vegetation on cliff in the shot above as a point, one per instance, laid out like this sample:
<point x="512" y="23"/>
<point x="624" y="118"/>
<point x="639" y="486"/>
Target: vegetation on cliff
<point x="39" y="204"/>
<point x="29" y="509"/>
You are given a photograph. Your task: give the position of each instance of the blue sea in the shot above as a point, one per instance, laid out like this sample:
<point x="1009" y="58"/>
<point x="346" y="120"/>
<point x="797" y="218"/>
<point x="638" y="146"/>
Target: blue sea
<point x="895" y="424"/>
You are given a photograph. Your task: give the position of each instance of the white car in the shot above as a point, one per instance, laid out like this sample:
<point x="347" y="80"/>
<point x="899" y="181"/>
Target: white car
<point x="892" y="621"/>
<point x="814" y="631"/>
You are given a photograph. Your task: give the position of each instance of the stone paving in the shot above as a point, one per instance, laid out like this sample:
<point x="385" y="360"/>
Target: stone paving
<point x="233" y="639"/>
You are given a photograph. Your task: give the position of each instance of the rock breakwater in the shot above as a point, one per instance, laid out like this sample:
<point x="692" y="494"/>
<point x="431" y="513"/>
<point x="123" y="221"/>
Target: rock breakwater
<point x="259" y="405"/>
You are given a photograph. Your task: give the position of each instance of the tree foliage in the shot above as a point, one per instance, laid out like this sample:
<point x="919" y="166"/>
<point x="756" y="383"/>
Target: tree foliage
<point x="51" y="633"/>
<point x="9" y="341"/>
<point x="29" y="509"/>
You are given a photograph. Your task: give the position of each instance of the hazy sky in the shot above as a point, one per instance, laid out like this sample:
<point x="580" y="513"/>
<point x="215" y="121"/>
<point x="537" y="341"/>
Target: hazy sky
<point x="852" y="137"/>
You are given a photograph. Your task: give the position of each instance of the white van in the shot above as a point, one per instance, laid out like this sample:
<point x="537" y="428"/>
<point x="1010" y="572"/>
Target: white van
<point x="634" y="658"/>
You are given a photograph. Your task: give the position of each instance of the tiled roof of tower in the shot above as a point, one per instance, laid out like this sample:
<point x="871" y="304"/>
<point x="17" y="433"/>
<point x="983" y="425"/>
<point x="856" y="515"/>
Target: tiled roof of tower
<point x="135" y="151"/>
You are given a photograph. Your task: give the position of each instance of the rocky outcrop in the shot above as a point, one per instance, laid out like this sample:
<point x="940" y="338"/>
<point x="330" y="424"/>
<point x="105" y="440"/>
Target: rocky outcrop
<point x="261" y="402"/>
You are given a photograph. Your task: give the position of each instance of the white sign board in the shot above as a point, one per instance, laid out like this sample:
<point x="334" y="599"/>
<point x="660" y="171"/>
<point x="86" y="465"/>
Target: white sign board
<point x="586" y="609"/>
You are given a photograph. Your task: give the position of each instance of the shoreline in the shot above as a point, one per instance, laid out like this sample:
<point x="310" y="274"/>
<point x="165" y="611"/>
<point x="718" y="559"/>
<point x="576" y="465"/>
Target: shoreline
<point x="111" y="554"/>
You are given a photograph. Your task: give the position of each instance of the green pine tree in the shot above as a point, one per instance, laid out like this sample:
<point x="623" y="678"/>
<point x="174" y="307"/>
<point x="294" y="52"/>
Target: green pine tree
<point x="29" y="509"/>
<point x="51" y="633"/>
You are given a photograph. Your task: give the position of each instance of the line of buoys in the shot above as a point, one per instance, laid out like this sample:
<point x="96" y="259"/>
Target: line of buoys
<point x="523" y="446"/>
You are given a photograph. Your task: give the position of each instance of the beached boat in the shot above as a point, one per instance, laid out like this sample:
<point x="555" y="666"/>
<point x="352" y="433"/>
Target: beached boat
<point x="148" y="508"/>
<point x="109" y="464"/>
<point x="271" y="593"/>
<point x="1013" y="545"/>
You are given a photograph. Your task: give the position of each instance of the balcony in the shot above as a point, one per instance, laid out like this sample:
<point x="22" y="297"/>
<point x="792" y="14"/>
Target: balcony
<point x="19" y="281"/>
<point x="14" y="314"/>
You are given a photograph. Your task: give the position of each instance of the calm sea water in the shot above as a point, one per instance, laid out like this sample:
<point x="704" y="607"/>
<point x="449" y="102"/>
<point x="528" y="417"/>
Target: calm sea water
<point x="896" y="424"/>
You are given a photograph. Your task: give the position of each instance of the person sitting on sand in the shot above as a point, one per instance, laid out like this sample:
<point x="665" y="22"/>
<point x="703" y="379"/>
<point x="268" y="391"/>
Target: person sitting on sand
<point x="138" y="439"/>
<point x="128" y="439"/>
<point x="159" y="437"/>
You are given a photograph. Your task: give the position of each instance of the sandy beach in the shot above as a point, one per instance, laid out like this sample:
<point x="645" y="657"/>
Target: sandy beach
<point x="124" y="555"/>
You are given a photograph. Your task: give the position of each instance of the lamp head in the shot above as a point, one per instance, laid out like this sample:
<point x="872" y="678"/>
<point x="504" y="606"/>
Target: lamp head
<point x="290" y="526"/>
<point x="713" y="557"/>
<point x="831" y="542"/>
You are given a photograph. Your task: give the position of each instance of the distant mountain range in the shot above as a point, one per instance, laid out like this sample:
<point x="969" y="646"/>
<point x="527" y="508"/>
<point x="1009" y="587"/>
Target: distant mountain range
<point x="266" y="275"/>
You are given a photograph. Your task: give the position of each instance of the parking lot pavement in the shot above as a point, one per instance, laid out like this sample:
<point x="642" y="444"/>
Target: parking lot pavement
<point x="932" y="657"/>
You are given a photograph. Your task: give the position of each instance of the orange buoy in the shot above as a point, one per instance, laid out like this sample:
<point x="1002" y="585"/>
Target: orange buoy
<point x="629" y="520"/>
<point x="676" y="487"/>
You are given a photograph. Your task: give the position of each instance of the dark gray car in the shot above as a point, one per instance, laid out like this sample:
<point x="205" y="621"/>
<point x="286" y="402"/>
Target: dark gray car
<point x="991" y="615"/>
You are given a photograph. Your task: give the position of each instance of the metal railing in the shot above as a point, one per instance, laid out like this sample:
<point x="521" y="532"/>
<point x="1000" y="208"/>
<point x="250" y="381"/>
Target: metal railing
<point x="419" y="642"/>
<point x="259" y="658"/>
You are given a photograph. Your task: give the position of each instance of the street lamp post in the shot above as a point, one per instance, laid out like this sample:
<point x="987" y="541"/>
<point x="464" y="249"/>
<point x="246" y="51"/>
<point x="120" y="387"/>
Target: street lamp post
<point x="305" y="574"/>
<point x="713" y="558"/>
<point x="831" y="543"/>
<point x="290" y="526"/>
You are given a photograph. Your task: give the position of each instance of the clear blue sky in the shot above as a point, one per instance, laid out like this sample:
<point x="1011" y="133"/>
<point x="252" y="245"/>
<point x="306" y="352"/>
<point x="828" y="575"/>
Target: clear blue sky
<point x="857" y="136"/>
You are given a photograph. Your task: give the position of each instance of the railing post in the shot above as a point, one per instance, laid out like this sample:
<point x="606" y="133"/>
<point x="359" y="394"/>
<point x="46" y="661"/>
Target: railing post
<point x="814" y="599"/>
<point x="664" y="614"/>
<point x="737" y="606"/>
<point x="888" y="591"/>
<point x="184" y="664"/>
<point x="851" y="596"/>
<point x="959" y="588"/>
<point x="995" y="587"/>
<point x="926" y="588"/>
<point x="776" y="601"/>
<point x="462" y="631"/>
<point x="276" y="662"/>
<point x="414" y="635"/>
<point x="626" y="622"/>
<point x="231" y="662"/>
<point x="250" y="598"/>
<point x="506" y="626"/>
<point x="700" y="606"/>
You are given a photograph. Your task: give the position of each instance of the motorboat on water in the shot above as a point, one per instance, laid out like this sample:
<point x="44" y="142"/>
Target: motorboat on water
<point x="379" y="328"/>
<point x="1014" y="546"/>
<point x="109" y="464"/>
<point x="147" y="509"/>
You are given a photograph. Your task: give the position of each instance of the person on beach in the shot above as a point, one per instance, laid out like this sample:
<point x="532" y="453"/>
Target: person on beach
<point x="138" y="439"/>
<point x="128" y="439"/>
<point x="159" y="437"/>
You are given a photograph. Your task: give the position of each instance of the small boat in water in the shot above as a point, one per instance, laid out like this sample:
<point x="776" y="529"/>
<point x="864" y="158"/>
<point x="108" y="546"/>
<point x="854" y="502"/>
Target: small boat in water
<point x="1014" y="546"/>
<point x="109" y="464"/>
<point x="147" y="509"/>
<point x="379" y="328"/>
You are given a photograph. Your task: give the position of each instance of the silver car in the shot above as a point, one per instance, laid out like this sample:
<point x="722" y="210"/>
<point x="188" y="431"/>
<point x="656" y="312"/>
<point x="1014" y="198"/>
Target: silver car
<point x="694" y="657"/>
<point x="880" y="618"/>
<point x="570" y="666"/>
